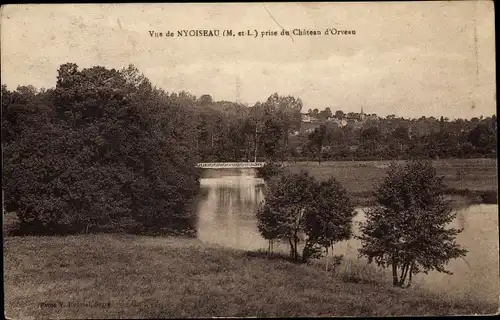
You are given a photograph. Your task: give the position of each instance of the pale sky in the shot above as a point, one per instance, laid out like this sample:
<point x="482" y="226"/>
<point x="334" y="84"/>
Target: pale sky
<point x="410" y="59"/>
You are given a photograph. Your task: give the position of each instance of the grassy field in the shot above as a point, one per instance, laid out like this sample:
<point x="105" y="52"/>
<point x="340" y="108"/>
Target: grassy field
<point x="121" y="276"/>
<point x="473" y="178"/>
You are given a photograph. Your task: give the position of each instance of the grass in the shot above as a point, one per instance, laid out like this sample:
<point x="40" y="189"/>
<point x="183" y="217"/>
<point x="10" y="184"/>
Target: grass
<point x="124" y="276"/>
<point x="476" y="179"/>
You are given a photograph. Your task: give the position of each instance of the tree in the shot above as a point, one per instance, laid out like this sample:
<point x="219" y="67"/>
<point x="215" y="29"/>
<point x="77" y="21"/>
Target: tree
<point x="313" y="113"/>
<point x="325" y="114"/>
<point x="317" y="139"/>
<point x="285" y="110"/>
<point x="133" y="76"/>
<point x="339" y="114"/>
<point x="205" y="99"/>
<point x="401" y="133"/>
<point x="101" y="152"/>
<point x="271" y="137"/>
<point x="401" y="136"/>
<point x="407" y="229"/>
<point x="370" y="134"/>
<point x="328" y="218"/>
<point x="481" y="136"/>
<point x="283" y="213"/>
<point x="268" y="224"/>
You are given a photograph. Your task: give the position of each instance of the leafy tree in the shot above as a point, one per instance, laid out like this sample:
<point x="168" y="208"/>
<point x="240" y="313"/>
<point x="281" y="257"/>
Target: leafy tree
<point x="283" y="213"/>
<point x="285" y="111"/>
<point x="133" y="76"/>
<point x="408" y="228"/>
<point x="328" y="218"/>
<point x="318" y="138"/>
<point x="481" y="136"/>
<point x="325" y="114"/>
<point x="100" y="152"/>
<point x="339" y="114"/>
<point x="313" y="113"/>
<point x="370" y="134"/>
<point x="268" y="223"/>
<point x="401" y="133"/>
<point x="270" y="137"/>
<point x="205" y="99"/>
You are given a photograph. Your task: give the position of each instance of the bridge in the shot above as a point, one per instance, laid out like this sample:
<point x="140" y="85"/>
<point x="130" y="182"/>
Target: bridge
<point x="229" y="165"/>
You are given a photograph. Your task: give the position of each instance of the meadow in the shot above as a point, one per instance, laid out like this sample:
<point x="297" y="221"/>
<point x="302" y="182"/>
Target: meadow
<point x="125" y="276"/>
<point x="474" y="179"/>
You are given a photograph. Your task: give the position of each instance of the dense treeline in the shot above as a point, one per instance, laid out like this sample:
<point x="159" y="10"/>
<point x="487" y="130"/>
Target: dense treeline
<point x="102" y="151"/>
<point x="233" y="132"/>
<point x="273" y="130"/>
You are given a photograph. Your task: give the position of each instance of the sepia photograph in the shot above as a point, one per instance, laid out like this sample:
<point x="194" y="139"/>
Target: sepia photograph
<point x="200" y="160"/>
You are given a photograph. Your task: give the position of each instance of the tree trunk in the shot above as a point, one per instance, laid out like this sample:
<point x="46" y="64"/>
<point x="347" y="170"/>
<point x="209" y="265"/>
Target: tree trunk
<point x="394" y="272"/>
<point x="404" y="270"/>
<point x="296" y="253"/>
<point x="411" y="271"/>
<point x="326" y="268"/>
<point x="404" y="274"/>
<point x="292" y="250"/>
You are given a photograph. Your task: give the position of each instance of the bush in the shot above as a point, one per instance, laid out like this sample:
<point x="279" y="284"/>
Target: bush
<point x="269" y="170"/>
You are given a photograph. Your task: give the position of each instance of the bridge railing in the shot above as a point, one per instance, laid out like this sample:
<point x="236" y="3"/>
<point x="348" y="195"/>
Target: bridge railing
<point x="217" y="165"/>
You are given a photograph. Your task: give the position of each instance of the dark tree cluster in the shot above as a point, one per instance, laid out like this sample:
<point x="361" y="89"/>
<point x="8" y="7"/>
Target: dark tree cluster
<point x="102" y="151"/>
<point x="398" y="138"/>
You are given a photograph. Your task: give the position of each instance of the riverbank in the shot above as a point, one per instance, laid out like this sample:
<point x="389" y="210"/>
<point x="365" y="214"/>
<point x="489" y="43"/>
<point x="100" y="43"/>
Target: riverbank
<point x="111" y="276"/>
<point x="475" y="180"/>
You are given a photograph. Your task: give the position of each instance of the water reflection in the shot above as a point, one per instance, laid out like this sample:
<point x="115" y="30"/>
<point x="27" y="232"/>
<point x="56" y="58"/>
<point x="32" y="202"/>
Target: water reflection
<point x="227" y="217"/>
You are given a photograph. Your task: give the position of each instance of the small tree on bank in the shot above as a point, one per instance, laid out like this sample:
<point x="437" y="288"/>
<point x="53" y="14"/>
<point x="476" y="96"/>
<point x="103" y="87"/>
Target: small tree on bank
<point x="329" y="218"/>
<point x="268" y="224"/>
<point x="295" y="204"/>
<point x="407" y="229"/>
<point x="283" y="213"/>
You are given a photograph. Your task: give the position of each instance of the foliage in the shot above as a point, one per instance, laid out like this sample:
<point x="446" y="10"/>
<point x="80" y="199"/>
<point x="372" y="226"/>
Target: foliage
<point x="272" y="130"/>
<point x="269" y="170"/>
<point x="268" y="224"/>
<point x="298" y="204"/>
<point x="408" y="229"/>
<point x="481" y="136"/>
<point x="104" y="150"/>
<point x="317" y="139"/>
<point x="282" y="214"/>
<point x="329" y="217"/>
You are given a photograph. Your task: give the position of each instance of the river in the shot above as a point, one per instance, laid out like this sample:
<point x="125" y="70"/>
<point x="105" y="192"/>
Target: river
<point x="226" y="217"/>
